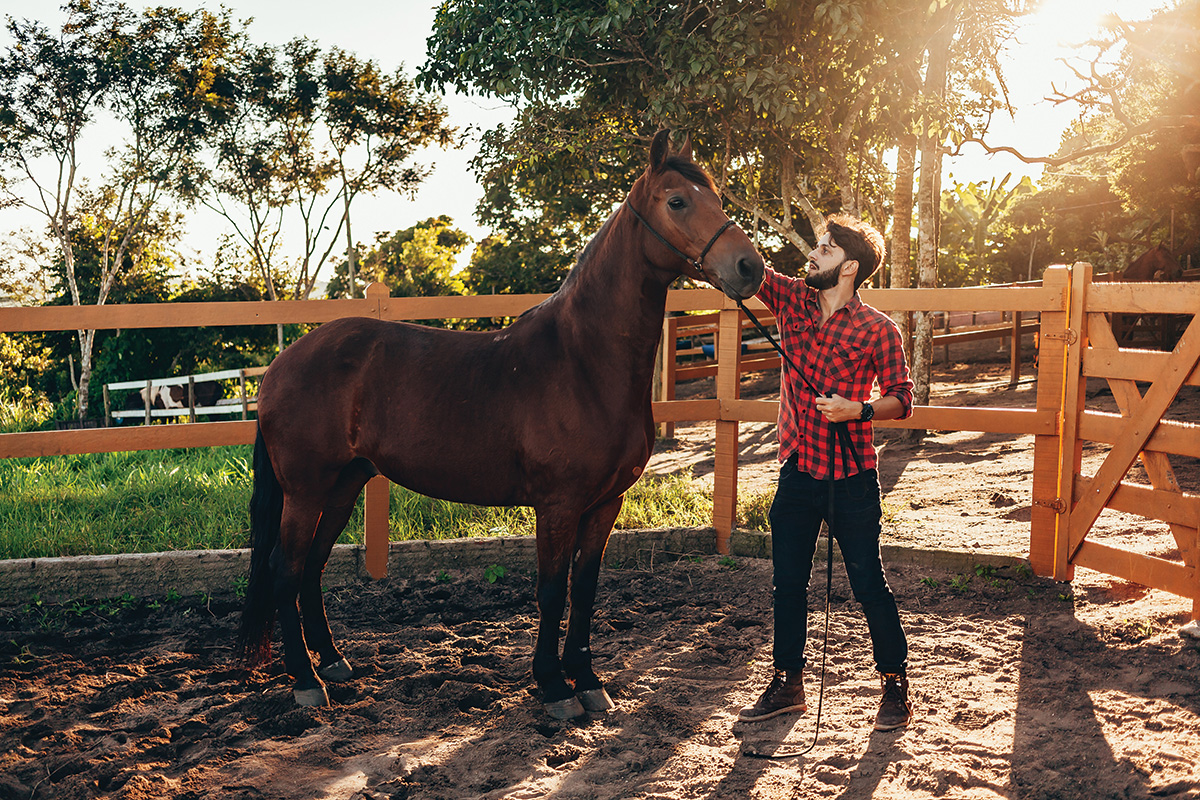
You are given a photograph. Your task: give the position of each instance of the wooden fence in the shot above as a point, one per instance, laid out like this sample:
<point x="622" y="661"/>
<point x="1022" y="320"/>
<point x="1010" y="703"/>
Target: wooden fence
<point x="1074" y="346"/>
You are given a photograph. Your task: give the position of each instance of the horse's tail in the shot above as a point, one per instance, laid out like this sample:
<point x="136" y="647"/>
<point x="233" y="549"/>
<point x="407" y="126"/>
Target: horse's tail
<point x="266" y="510"/>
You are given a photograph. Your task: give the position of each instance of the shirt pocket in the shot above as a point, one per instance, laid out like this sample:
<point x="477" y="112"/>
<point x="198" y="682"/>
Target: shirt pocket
<point x="846" y="367"/>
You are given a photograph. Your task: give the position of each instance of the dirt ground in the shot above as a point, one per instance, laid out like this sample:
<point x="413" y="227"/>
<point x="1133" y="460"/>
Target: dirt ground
<point x="1024" y="688"/>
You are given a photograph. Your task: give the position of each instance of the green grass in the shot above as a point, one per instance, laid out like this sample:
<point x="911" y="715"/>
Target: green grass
<point x="20" y="410"/>
<point x="124" y="502"/>
<point x="153" y="501"/>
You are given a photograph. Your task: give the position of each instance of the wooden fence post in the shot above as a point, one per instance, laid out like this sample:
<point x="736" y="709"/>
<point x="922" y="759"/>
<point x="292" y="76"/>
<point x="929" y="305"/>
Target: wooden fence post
<point x="378" y="490"/>
<point x="1074" y="392"/>
<point x="1052" y="357"/>
<point x="375" y="525"/>
<point x="725" y="468"/>
<point x="667" y="351"/>
<point x="1014" y="352"/>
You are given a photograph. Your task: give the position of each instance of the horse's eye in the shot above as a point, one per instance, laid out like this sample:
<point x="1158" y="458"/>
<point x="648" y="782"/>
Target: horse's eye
<point x="677" y="203"/>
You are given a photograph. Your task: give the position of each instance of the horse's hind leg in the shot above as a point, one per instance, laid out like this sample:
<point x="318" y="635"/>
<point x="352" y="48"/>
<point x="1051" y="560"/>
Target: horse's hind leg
<point x="338" y="509"/>
<point x="288" y="564"/>
<point x="594" y="530"/>
<point x="555" y="540"/>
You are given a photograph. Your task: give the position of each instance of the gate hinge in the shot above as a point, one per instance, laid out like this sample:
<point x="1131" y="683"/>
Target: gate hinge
<point x="1057" y="504"/>
<point x="1069" y="335"/>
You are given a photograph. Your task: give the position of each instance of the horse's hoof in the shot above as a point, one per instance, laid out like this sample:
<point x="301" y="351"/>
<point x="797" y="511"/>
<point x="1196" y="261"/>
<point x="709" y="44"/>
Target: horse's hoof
<point x="311" y="697"/>
<point x="565" y="709"/>
<point x="337" y="672"/>
<point x="595" y="699"/>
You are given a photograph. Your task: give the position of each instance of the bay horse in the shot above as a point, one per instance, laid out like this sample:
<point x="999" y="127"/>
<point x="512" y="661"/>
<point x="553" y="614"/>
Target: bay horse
<point x="1156" y="264"/>
<point x="551" y="412"/>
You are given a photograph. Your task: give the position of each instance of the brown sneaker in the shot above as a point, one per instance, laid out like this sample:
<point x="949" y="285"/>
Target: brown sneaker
<point x="895" y="711"/>
<point x="785" y="694"/>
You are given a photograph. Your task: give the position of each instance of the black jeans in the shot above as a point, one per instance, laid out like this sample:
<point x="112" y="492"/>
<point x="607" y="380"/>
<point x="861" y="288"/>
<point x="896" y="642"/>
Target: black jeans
<point x="801" y="503"/>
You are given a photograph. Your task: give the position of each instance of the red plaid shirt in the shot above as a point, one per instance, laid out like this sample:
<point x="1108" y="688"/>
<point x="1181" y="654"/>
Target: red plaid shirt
<point x="856" y="346"/>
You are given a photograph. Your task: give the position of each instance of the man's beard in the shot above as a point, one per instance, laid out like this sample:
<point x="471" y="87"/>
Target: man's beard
<point x="825" y="279"/>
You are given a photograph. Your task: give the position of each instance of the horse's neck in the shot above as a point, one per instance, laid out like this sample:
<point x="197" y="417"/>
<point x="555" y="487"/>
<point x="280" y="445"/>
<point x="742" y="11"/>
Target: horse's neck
<point x="617" y="299"/>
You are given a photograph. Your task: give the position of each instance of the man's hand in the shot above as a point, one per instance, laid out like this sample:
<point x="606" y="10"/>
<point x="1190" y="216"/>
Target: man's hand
<point x="839" y="409"/>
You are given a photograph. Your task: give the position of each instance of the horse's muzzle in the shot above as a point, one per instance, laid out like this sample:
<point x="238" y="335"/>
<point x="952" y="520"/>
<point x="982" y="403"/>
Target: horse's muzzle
<point x="744" y="280"/>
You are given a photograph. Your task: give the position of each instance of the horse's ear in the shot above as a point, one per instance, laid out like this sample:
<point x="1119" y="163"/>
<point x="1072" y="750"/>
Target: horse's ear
<point x="659" y="150"/>
<point x="686" y="150"/>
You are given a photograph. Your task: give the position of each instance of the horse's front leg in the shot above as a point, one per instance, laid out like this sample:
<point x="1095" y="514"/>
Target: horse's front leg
<point x="594" y="530"/>
<point x="555" y="543"/>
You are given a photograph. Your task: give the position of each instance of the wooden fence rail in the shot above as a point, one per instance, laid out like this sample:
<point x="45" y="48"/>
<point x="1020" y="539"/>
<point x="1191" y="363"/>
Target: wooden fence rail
<point x="1065" y="503"/>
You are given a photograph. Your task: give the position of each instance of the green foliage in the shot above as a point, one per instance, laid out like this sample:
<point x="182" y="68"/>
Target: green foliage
<point x="754" y="511"/>
<point x="124" y="502"/>
<point x="667" y="500"/>
<point x="493" y="573"/>
<point x="1124" y="184"/>
<point x="790" y="104"/>
<point x="535" y="261"/>
<point x="969" y="248"/>
<point x="310" y="133"/>
<point x="415" y="262"/>
<point x="959" y="583"/>
<point x="21" y="410"/>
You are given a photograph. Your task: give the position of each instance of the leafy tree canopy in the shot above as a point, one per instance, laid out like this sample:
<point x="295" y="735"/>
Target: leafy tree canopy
<point x="418" y="261"/>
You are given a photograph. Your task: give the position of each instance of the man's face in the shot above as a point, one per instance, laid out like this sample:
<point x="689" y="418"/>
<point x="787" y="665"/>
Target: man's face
<point x="824" y="264"/>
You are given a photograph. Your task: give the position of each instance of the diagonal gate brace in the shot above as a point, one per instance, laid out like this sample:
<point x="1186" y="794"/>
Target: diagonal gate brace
<point x="1142" y="421"/>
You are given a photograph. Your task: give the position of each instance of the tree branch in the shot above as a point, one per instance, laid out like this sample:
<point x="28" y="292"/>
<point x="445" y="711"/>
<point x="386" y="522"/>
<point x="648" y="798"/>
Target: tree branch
<point x="1131" y="132"/>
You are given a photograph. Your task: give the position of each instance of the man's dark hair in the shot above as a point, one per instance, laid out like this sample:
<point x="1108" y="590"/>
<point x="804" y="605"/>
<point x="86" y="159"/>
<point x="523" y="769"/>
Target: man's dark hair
<point x="861" y="242"/>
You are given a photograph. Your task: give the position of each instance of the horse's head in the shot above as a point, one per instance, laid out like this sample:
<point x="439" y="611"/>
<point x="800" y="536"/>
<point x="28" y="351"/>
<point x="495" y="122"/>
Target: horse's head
<point x="687" y="232"/>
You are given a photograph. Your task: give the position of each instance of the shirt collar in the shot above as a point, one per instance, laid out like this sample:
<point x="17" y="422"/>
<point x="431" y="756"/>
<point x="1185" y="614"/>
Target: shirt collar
<point x="853" y="306"/>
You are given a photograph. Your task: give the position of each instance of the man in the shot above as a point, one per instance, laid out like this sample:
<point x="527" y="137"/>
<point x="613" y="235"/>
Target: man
<point x="842" y="346"/>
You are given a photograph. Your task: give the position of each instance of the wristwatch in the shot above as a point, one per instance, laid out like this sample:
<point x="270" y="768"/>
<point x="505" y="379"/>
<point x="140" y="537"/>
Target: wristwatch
<point x="867" y="413"/>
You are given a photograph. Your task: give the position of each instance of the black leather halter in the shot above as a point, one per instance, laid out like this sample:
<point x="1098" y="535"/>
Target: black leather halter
<point x="697" y="263"/>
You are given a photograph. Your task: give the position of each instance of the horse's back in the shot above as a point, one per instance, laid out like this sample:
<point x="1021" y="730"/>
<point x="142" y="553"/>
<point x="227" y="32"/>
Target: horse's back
<point x="446" y="413"/>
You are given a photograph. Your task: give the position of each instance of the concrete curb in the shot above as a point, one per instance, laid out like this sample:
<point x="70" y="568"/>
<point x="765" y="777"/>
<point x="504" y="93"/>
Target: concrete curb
<point x="216" y="573"/>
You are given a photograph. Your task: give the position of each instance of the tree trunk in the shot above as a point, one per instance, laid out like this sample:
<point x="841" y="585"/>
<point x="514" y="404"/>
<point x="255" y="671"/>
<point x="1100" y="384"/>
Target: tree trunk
<point x="351" y="255"/>
<point x="87" y="340"/>
<point x="901" y="272"/>
<point x="929" y="198"/>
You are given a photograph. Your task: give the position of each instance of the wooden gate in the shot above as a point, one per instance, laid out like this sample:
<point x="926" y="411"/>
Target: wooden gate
<point x="1067" y="503"/>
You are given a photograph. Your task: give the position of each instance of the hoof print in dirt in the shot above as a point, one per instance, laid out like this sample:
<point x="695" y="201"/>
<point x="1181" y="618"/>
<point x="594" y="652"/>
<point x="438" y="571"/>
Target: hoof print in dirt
<point x="465" y="697"/>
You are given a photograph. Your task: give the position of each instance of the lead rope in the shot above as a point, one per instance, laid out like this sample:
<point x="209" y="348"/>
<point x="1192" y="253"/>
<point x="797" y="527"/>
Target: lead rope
<point x="842" y="438"/>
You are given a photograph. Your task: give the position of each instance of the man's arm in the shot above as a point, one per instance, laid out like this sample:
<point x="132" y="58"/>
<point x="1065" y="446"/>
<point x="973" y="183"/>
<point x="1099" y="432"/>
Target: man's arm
<point x="839" y="409"/>
<point x="894" y="383"/>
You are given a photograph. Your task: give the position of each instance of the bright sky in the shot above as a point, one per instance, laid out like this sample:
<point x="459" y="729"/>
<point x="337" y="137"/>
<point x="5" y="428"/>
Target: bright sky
<point x="1031" y="64"/>
<point x="394" y="33"/>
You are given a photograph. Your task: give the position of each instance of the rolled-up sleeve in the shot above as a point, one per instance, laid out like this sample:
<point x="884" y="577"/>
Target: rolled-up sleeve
<point x="892" y="369"/>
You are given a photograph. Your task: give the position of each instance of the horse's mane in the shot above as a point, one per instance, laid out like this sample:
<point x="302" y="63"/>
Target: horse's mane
<point x="685" y="167"/>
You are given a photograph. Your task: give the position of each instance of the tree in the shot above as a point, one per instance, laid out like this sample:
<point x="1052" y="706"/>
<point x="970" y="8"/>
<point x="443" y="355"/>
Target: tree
<point x="1119" y="181"/>
<point x="376" y="123"/>
<point x="971" y="246"/>
<point x="1139" y="128"/>
<point x="791" y="103"/>
<point x="415" y="262"/>
<point x="309" y="134"/>
<point x="161" y="75"/>
<point x="535" y="262"/>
